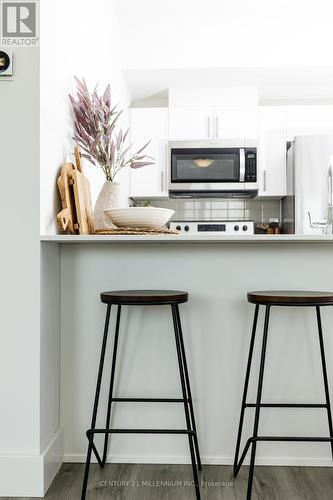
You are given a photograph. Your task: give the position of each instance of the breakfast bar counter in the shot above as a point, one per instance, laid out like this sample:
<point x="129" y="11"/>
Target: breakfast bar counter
<point x="217" y="272"/>
<point x="183" y="238"/>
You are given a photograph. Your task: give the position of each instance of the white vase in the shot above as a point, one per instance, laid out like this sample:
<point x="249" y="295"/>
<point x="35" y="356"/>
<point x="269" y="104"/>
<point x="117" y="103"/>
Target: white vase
<point x="109" y="197"/>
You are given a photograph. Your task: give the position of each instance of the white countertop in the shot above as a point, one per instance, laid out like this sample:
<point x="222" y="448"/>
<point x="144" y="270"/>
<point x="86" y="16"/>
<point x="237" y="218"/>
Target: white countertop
<point x="181" y="238"/>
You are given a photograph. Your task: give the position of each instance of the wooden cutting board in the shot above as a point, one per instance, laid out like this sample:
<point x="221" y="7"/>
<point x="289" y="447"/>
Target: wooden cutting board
<point x="67" y="217"/>
<point x="76" y="215"/>
<point x="84" y="215"/>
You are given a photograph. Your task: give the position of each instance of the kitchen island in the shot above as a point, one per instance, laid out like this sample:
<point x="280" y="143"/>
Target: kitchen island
<point x="217" y="272"/>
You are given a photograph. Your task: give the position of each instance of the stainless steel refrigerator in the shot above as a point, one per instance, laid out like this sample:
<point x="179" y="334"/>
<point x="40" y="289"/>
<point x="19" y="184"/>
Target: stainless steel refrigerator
<point x="307" y="208"/>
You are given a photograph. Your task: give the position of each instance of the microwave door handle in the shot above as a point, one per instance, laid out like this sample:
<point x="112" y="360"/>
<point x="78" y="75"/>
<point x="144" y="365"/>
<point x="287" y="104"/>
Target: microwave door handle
<point x="242" y="165"/>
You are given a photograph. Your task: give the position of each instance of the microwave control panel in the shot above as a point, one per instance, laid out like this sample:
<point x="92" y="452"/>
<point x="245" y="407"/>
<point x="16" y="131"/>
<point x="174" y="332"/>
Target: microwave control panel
<point x="250" y="165"/>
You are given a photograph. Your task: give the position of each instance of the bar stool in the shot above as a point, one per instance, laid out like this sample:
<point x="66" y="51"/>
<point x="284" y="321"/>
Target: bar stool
<point x="269" y="299"/>
<point x="147" y="298"/>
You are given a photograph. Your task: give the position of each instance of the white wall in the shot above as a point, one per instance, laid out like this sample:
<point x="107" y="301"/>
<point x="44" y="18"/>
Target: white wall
<point x="49" y="343"/>
<point x="19" y="271"/>
<point x="224" y="33"/>
<point x="82" y="39"/>
<point x="217" y="325"/>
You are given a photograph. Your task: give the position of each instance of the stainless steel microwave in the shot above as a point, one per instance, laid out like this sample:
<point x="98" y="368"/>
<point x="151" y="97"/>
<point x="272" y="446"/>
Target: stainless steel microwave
<point x="212" y="169"/>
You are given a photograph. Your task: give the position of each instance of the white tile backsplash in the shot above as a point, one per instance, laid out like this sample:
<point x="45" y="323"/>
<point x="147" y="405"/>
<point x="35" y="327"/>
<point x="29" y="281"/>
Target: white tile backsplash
<point x="236" y="204"/>
<point x="219" y="204"/>
<point x="186" y="204"/>
<point x="219" y="215"/>
<point x="202" y="214"/>
<point x="222" y="209"/>
<point x="184" y="215"/>
<point x="234" y="214"/>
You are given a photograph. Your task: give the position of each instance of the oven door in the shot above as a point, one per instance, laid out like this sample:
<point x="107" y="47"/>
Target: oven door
<point x="207" y="169"/>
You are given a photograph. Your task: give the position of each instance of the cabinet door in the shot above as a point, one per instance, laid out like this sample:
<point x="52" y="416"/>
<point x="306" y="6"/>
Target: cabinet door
<point x="190" y="123"/>
<point x="234" y="122"/>
<point x="309" y="120"/>
<point x="149" y="123"/>
<point x="272" y="149"/>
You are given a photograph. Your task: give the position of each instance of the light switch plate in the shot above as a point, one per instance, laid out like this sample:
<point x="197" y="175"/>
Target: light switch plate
<point x="6" y="63"/>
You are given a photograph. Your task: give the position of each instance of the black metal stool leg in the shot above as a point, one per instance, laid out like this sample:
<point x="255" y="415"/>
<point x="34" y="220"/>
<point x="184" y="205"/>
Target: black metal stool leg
<point x="97" y="393"/>
<point x="187" y="414"/>
<point x="113" y="369"/>
<point x="188" y="387"/>
<point x="323" y="363"/>
<point x="246" y="386"/>
<point x="258" y="402"/>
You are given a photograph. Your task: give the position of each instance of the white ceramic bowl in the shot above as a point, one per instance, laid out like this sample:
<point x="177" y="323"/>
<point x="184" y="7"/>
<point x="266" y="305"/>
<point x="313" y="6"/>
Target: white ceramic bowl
<point x="146" y="217"/>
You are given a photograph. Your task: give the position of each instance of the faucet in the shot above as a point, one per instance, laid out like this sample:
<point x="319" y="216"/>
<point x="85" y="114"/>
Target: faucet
<point x="318" y="223"/>
<point x="326" y="224"/>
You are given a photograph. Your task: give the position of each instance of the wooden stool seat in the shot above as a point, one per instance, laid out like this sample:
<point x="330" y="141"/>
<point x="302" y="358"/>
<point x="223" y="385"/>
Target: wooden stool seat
<point x="291" y="298"/>
<point x="142" y="297"/>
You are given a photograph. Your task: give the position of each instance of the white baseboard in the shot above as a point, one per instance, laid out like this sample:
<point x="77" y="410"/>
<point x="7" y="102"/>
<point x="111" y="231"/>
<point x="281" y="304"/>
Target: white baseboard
<point x="268" y="461"/>
<point x="52" y="459"/>
<point x="30" y="475"/>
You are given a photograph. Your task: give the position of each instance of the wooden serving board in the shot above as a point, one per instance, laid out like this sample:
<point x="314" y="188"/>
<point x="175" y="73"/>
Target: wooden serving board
<point x="84" y="215"/>
<point x="76" y="216"/>
<point x="67" y="217"/>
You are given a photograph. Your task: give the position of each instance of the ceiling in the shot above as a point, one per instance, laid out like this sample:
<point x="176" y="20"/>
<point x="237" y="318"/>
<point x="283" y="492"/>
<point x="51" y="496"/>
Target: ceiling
<point x="225" y="33"/>
<point x="283" y="47"/>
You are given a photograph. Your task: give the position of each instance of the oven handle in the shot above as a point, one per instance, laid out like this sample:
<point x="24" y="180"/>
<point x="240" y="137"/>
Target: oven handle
<point x="242" y="165"/>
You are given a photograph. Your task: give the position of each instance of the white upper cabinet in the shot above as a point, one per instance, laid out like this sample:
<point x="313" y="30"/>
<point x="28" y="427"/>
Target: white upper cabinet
<point x="190" y="123"/>
<point x="309" y="120"/>
<point x="277" y="126"/>
<point x="271" y="126"/>
<point x="230" y="122"/>
<point x="272" y="151"/>
<point x="146" y="124"/>
<point x="210" y="123"/>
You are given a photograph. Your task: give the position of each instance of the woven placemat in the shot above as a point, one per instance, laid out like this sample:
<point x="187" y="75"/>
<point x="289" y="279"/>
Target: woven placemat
<point x="136" y="230"/>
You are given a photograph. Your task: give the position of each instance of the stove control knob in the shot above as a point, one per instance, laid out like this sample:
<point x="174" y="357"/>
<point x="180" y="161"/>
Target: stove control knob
<point x="245" y="228"/>
<point x="186" y="228"/>
<point x="236" y="228"/>
<point x="178" y="228"/>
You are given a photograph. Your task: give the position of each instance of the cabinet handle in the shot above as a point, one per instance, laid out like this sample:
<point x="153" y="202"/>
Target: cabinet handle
<point x="264" y="181"/>
<point x="208" y="127"/>
<point x="162" y="181"/>
<point x="216" y="127"/>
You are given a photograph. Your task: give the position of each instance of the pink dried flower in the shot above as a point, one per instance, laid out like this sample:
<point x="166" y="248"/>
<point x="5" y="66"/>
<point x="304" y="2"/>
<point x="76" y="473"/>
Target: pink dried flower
<point x="95" y="132"/>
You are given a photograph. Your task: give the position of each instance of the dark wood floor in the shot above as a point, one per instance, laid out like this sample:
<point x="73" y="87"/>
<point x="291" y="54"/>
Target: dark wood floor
<point x="136" y="482"/>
